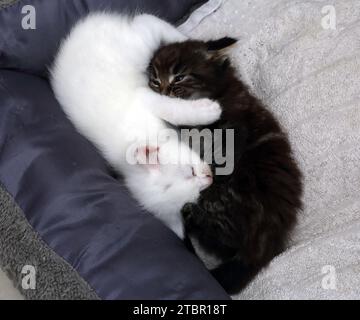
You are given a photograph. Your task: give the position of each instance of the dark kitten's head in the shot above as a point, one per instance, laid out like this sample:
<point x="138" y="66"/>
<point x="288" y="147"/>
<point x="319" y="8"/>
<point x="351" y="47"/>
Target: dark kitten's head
<point x="190" y="69"/>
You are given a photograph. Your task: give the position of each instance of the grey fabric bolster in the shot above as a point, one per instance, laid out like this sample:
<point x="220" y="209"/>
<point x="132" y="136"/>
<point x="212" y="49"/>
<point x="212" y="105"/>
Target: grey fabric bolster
<point x="21" y="246"/>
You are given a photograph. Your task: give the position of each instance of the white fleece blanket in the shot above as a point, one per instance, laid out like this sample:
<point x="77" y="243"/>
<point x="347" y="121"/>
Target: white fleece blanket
<point x="309" y="76"/>
<point x="7" y="290"/>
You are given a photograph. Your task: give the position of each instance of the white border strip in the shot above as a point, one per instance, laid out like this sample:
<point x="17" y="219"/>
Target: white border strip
<point x="199" y="14"/>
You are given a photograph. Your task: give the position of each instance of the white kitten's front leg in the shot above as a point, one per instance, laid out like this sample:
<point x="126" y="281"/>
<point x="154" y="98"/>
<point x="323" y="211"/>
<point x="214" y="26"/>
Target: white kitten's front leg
<point x="178" y="111"/>
<point x="161" y="28"/>
<point x="186" y="112"/>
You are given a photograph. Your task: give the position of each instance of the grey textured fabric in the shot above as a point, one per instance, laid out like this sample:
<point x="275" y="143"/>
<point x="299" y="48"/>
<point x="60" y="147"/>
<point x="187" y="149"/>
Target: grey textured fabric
<point x="21" y="246"/>
<point x="6" y="3"/>
<point x="308" y="75"/>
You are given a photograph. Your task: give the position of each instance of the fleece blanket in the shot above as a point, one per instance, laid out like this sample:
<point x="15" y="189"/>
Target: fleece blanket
<point x="302" y="58"/>
<point x="7" y="289"/>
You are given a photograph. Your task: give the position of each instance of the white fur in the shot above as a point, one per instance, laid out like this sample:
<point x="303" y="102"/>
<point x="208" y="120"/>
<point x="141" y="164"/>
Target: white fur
<point x="99" y="79"/>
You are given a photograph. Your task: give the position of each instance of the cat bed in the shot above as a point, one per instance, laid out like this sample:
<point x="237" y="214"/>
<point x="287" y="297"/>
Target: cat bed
<point x="62" y="213"/>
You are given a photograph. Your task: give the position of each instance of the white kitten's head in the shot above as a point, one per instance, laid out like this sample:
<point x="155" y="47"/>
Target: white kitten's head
<point x="165" y="188"/>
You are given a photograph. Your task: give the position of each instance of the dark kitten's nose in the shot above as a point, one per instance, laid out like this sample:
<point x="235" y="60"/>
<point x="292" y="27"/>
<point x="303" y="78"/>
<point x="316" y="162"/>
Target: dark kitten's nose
<point x="165" y="90"/>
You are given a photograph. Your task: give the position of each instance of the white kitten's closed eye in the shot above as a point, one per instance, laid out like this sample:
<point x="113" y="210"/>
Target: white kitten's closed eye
<point x="187" y="172"/>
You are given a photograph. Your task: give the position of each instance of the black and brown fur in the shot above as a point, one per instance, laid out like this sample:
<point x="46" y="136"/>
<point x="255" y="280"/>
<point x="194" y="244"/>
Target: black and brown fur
<point x="244" y="218"/>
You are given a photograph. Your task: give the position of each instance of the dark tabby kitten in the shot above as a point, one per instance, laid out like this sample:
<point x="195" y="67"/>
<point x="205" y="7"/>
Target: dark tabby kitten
<point x="244" y="218"/>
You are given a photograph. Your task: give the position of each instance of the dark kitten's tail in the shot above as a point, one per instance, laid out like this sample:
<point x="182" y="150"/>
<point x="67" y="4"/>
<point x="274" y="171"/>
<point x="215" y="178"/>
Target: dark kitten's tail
<point x="234" y="276"/>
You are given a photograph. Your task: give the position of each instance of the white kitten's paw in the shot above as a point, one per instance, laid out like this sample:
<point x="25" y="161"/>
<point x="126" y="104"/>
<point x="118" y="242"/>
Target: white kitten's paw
<point x="202" y="173"/>
<point x="207" y="111"/>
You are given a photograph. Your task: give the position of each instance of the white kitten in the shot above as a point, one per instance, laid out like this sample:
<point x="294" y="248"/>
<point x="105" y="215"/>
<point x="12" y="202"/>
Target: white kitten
<point x="99" y="79"/>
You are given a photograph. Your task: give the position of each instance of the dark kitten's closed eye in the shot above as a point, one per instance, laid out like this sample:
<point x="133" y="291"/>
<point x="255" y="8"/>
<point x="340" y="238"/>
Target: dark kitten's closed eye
<point x="179" y="78"/>
<point x="155" y="82"/>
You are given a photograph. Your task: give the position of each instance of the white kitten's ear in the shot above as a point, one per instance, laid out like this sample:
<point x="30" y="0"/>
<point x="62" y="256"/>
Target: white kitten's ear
<point x="147" y="157"/>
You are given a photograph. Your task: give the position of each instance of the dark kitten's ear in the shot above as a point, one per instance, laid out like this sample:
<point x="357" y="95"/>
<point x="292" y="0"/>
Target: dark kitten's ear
<point x="216" y="50"/>
<point x="220" y="45"/>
